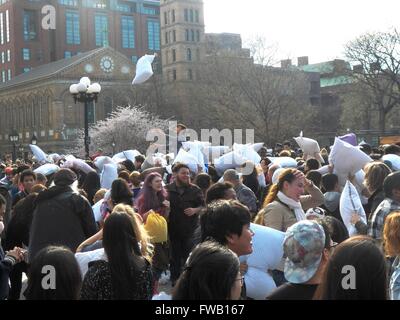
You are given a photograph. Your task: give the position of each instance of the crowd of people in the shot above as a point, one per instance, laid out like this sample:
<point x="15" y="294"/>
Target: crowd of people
<point x="197" y="227"/>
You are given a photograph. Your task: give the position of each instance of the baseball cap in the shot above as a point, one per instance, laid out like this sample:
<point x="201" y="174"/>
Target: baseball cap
<point x="303" y="247"/>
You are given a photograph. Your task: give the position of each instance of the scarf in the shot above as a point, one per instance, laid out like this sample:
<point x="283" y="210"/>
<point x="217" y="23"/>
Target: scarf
<point x="293" y="205"/>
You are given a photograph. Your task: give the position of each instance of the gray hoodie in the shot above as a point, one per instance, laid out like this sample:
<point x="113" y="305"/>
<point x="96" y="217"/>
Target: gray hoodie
<point x="332" y="200"/>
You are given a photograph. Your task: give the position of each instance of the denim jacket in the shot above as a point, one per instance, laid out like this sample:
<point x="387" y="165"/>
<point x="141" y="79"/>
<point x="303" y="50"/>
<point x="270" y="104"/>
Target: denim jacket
<point x="394" y="285"/>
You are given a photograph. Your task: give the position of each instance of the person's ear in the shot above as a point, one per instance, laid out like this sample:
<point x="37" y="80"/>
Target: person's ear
<point x="230" y="239"/>
<point x="285" y="185"/>
<point x="396" y="193"/>
<point x="325" y="255"/>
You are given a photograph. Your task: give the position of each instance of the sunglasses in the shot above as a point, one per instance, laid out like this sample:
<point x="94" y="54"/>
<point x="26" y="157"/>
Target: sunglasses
<point x="333" y="245"/>
<point x="241" y="280"/>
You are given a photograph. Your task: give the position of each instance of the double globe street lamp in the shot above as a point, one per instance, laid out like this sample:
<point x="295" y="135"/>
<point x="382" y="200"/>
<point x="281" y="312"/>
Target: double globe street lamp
<point x="85" y="92"/>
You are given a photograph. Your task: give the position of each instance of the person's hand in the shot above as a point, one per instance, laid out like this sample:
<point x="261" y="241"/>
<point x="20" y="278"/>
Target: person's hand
<point x="299" y="175"/>
<point x="355" y="217"/>
<point x="307" y="183"/>
<point x="330" y="168"/>
<point x="17" y="253"/>
<point x="166" y="203"/>
<point x="243" y="268"/>
<point x="190" y="211"/>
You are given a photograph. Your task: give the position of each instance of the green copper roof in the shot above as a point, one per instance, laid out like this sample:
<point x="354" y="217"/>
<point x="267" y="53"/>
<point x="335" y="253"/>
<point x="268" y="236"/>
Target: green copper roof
<point x="323" y="67"/>
<point x="336" y="81"/>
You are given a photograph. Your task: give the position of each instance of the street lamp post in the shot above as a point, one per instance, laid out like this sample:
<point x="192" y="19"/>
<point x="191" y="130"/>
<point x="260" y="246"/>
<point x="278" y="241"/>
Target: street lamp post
<point x="21" y="151"/>
<point x="86" y="93"/>
<point x="34" y="140"/>
<point x="14" y="137"/>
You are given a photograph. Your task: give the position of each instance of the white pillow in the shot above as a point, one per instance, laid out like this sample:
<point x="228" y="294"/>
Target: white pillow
<point x="84" y="258"/>
<point x="39" y="154"/>
<point x="195" y="143"/>
<point x="230" y="160"/>
<point x="69" y="157"/>
<point x="261" y="180"/>
<point x="310" y="148"/>
<point x="83" y="166"/>
<point x="213" y="152"/>
<point x="259" y="284"/>
<point x="188" y="159"/>
<point x="323" y="170"/>
<point x="277" y="173"/>
<point x="144" y="70"/>
<point x="108" y="175"/>
<point x="284" y="162"/>
<point x="47" y="169"/>
<point x="347" y="159"/>
<point x="96" y="210"/>
<point x="99" y="162"/>
<point x="54" y="157"/>
<point x="248" y="153"/>
<point x="350" y="202"/>
<point x="124" y="155"/>
<point x="195" y="151"/>
<point x="394" y="159"/>
<point x="267" y="248"/>
<point x="359" y="185"/>
<point x="67" y="164"/>
<point x="257" y="146"/>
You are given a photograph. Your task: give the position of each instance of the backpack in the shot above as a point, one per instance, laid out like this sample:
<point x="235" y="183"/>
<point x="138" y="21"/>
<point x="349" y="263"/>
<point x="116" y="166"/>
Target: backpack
<point x="156" y="227"/>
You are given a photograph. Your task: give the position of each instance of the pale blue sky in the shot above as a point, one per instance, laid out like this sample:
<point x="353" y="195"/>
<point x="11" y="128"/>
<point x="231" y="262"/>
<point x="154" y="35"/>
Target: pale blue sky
<point x="314" y="28"/>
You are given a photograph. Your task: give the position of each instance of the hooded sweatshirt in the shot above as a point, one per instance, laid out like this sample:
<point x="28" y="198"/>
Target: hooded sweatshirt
<point x="331" y="203"/>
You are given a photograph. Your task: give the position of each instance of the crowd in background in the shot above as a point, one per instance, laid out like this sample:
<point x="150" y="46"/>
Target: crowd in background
<point x="197" y="226"/>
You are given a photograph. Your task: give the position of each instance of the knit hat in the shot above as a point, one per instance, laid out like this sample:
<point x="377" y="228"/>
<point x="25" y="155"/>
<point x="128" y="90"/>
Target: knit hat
<point x="64" y="177"/>
<point x="303" y="246"/>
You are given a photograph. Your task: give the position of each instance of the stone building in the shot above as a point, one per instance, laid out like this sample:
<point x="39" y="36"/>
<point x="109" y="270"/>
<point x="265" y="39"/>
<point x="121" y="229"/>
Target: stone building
<point x="39" y="102"/>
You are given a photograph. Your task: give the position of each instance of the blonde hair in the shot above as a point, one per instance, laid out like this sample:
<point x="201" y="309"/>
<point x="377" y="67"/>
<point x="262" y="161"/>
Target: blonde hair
<point x="284" y="153"/>
<point x="38" y="188"/>
<point x="99" y="195"/>
<point x="391" y="234"/>
<point x="138" y="227"/>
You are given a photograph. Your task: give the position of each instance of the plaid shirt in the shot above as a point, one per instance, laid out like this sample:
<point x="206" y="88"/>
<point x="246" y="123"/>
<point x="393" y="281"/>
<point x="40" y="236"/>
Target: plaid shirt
<point x="377" y="221"/>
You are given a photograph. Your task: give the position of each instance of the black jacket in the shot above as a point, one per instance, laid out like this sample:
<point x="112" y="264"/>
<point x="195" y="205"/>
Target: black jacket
<point x="19" y="196"/>
<point x="181" y="226"/>
<point x="5" y="269"/>
<point x="7" y="216"/>
<point x="61" y="217"/>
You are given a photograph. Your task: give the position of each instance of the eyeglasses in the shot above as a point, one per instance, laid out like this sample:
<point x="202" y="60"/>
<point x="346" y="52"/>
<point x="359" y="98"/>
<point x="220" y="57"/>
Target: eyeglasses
<point x="241" y="280"/>
<point x="333" y="245"/>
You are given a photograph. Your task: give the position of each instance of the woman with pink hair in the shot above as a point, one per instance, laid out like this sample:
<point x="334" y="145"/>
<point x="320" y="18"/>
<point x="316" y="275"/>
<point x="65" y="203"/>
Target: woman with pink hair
<point x="153" y="196"/>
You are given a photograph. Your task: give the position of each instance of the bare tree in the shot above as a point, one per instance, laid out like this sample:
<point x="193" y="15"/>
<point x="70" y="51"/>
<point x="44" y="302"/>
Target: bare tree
<point x="273" y="101"/>
<point x="378" y="57"/>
